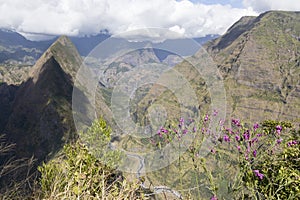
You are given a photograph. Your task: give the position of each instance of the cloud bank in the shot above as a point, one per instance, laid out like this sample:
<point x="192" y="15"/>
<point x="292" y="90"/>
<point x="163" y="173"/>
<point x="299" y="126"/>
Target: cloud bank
<point x="85" y="17"/>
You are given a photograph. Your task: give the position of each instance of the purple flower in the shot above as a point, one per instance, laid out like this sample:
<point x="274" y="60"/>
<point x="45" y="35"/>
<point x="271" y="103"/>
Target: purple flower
<point x="237" y="138"/>
<point x="254" y="153"/>
<point x="226" y="138"/>
<point x="215" y="113"/>
<point x="246" y="135"/>
<point x="279" y="141"/>
<point x="181" y="122"/>
<point x="278" y="129"/>
<point x="206" y="118"/>
<point x="259" y="135"/>
<point x="236" y="122"/>
<point x="185" y="131"/>
<point x="239" y="148"/>
<point x="213" y="151"/>
<point x="259" y="175"/>
<point x="214" y="198"/>
<point x="291" y="143"/>
<point x="254" y="140"/>
<point x="194" y="129"/>
<point x="255" y="126"/>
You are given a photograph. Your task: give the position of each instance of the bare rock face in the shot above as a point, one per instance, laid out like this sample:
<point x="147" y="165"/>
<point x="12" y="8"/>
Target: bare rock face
<point x="39" y="119"/>
<point x="259" y="61"/>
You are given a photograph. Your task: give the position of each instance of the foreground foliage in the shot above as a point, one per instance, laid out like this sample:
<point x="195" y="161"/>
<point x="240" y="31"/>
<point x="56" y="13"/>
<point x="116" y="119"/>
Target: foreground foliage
<point x="78" y="174"/>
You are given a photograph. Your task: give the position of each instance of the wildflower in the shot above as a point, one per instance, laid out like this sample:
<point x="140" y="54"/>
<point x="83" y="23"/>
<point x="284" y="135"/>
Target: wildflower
<point x="279" y="141"/>
<point x="163" y="130"/>
<point x="259" y="135"/>
<point x="194" y="129"/>
<point x="226" y="138"/>
<point x="259" y="175"/>
<point x="246" y="135"/>
<point x="215" y="113"/>
<point x="236" y="122"/>
<point x="206" y="118"/>
<point x="181" y="122"/>
<point x="213" y="151"/>
<point x="214" y="198"/>
<point x="255" y="126"/>
<point x="278" y="129"/>
<point x="237" y="138"/>
<point x="254" y="153"/>
<point x="185" y="131"/>
<point x="254" y="140"/>
<point x="291" y="143"/>
<point x="239" y="148"/>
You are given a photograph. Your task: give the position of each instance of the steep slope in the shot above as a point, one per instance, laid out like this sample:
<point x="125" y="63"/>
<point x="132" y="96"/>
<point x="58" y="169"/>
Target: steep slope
<point x="259" y="60"/>
<point x="41" y="117"/>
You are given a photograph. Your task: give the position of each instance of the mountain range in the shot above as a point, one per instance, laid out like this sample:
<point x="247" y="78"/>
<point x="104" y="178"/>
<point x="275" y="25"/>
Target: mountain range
<point x="258" y="61"/>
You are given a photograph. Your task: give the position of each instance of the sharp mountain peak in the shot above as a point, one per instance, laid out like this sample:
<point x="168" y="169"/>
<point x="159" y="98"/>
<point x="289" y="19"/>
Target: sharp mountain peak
<point x="66" y="55"/>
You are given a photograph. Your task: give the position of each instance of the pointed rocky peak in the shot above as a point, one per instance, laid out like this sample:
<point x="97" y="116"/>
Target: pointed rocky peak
<point x="66" y="55"/>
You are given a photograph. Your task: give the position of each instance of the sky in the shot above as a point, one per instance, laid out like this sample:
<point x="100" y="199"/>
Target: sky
<point x="188" y="18"/>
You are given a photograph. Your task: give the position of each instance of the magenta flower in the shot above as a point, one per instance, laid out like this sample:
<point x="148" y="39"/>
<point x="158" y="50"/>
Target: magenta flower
<point x="254" y="153"/>
<point x="237" y="138"/>
<point x="279" y="141"/>
<point x="258" y="174"/>
<point x="239" y="148"/>
<point x="214" y="198"/>
<point x="215" y="113"/>
<point x="254" y="140"/>
<point x="255" y="126"/>
<point x="185" y="131"/>
<point x="194" y="129"/>
<point x="206" y="118"/>
<point x="236" y="122"/>
<point x="278" y="129"/>
<point x="226" y="138"/>
<point x="291" y="143"/>
<point x="247" y="135"/>
<point x="181" y="122"/>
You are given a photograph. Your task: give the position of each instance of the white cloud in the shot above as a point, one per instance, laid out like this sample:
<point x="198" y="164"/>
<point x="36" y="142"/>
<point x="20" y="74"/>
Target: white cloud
<point x="81" y="17"/>
<point x="265" y="5"/>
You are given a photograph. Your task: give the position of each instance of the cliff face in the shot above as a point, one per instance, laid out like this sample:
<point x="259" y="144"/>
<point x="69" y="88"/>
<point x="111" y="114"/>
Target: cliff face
<point x="259" y="59"/>
<point x="39" y="119"/>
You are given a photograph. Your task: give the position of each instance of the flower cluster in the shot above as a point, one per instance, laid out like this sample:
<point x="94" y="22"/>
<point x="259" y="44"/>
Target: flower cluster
<point x="258" y="174"/>
<point x="292" y="143"/>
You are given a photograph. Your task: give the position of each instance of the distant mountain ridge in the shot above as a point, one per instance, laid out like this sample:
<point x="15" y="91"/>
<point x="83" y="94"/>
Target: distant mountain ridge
<point x="16" y="49"/>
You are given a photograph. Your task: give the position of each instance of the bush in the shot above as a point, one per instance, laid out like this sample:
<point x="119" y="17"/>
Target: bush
<point x="78" y="174"/>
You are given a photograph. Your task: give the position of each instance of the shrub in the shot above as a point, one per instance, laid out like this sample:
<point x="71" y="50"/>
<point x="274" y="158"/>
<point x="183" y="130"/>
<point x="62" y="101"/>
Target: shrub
<point x="79" y="174"/>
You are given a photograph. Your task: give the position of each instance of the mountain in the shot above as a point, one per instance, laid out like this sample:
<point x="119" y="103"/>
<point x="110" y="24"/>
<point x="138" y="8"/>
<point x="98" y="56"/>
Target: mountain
<point x="15" y="49"/>
<point x="38" y="112"/>
<point x="259" y="59"/>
